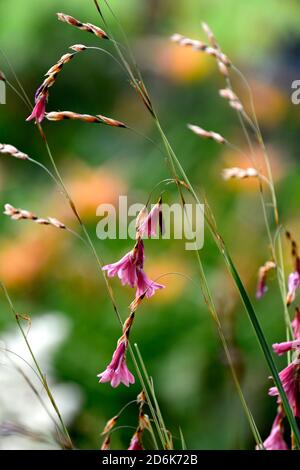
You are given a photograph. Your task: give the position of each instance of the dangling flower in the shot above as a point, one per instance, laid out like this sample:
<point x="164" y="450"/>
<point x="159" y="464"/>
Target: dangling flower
<point x="135" y="443"/>
<point x="126" y="267"/>
<point x="262" y="278"/>
<point x="275" y="440"/>
<point x="296" y="324"/>
<point x="117" y="371"/>
<point x="149" y="224"/>
<point x="294" y="277"/>
<point x="261" y="287"/>
<point x="145" y="286"/>
<point x="290" y="380"/>
<point x="281" y="348"/>
<point x="293" y="285"/>
<point x="39" y="110"/>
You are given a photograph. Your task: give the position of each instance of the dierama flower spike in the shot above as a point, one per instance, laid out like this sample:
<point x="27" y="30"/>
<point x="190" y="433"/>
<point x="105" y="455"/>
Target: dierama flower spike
<point x="117" y="371"/>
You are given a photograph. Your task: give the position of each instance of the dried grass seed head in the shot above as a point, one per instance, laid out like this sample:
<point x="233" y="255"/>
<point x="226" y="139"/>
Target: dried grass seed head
<point x="232" y="98"/>
<point x="22" y="214"/>
<point x="210" y="36"/>
<point x="90" y="28"/>
<point x="207" y="134"/>
<point x="239" y="173"/>
<point x="64" y="115"/>
<point x="201" y="46"/>
<point x="8" y="149"/>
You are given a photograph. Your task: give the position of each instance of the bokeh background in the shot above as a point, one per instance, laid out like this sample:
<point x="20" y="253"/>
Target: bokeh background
<point x="52" y="277"/>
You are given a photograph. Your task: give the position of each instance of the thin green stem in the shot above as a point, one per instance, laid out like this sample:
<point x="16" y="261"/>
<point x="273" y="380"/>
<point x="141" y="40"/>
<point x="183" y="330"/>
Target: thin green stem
<point x="39" y="370"/>
<point x="150" y="385"/>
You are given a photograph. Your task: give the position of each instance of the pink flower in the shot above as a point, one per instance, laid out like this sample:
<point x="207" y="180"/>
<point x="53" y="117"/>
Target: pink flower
<point x="281" y="348"/>
<point x="126" y="268"/>
<point x="145" y="286"/>
<point x="130" y="270"/>
<point x="135" y="443"/>
<point x="296" y="324"/>
<point x="275" y="440"/>
<point x="290" y="381"/>
<point x="293" y="285"/>
<point x="39" y="109"/>
<point x="117" y="371"/>
<point x="148" y="227"/>
<point x="262" y="278"/>
<point x="261" y="288"/>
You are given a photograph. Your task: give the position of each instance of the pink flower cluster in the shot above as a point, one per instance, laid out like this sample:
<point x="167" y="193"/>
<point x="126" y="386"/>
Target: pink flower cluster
<point x="130" y="268"/>
<point x="117" y="371"/>
<point x="290" y="379"/>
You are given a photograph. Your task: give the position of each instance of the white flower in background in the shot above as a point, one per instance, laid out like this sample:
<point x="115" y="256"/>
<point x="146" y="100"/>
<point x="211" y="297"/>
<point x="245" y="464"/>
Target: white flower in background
<point x="19" y="406"/>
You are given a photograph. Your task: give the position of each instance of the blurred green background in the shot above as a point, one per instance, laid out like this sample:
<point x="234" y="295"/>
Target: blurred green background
<point x="47" y="270"/>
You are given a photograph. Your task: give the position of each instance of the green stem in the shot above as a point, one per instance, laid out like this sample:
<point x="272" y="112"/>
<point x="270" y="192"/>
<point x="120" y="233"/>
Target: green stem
<point x="39" y="370"/>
